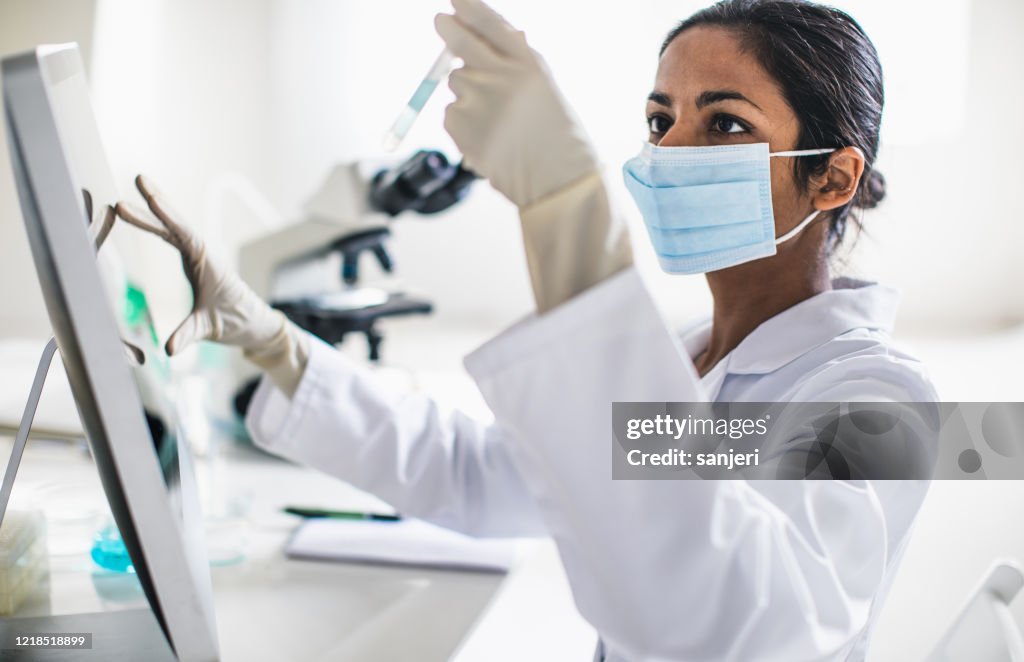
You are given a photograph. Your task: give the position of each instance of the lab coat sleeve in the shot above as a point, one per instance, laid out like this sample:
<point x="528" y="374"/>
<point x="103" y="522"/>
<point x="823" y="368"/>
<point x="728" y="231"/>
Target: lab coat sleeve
<point x="668" y="570"/>
<point x="449" y="470"/>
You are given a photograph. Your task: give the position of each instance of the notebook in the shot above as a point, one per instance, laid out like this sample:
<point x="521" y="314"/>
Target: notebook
<point x="410" y="542"/>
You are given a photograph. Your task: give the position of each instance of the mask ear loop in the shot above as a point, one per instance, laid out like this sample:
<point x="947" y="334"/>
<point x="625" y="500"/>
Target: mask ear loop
<point x="800" y="226"/>
<point x="814" y="214"/>
<point x="805" y="152"/>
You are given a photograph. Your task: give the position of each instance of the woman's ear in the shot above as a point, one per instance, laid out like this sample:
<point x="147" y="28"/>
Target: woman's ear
<point x="838" y="184"/>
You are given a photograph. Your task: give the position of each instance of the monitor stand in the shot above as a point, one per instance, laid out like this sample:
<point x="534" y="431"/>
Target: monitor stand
<point x="128" y="635"/>
<point x="26" y="425"/>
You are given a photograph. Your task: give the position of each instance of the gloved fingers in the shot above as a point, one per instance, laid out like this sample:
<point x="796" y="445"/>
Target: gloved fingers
<point x="490" y="25"/>
<point x="461" y="123"/>
<point x="135" y="355"/>
<point x="464" y="82"/>
<point x="454" y="114"/>
<point x="181" y="235"/>
<point x="193" y="255"/>
<point x="100" y="229"/>
<point x="197" y="326"/>
<point x="463" y="42"/>
<point x="132" y="215"/>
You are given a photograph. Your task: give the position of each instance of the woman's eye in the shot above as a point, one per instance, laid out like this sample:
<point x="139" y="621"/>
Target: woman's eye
<point x="658" y="124"/>
<point x="727" y="125"/>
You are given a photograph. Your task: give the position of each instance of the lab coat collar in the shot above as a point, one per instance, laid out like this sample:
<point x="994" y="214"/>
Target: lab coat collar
<point x="851" y="304"/>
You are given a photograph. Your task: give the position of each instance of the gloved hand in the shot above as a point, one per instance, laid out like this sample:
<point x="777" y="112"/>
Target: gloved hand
<point x="224" y="309"/>
<point x="509" y="119"/>
<point x="514" y="127"/>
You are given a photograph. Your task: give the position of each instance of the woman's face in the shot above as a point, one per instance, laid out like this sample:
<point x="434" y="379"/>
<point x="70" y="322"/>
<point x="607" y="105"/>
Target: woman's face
<point x="709" y="91"/>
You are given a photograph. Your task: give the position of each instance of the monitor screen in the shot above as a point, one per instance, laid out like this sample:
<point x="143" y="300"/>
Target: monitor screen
<point x="128" y="304"/>
<point x="97" y="312"/>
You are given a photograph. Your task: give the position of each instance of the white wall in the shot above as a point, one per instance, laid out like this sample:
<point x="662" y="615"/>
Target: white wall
<point x="945" y="235"/>
<point x="950" y="232"/>
<point x="23" y="25"/>
<point x="279" y="90"/>
<point x="181" y="92"/>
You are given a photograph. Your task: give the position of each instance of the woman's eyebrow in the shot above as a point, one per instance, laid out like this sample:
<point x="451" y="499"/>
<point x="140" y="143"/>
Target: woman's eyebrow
<point x="709" y="97"/>
<point x="660" y="98"/>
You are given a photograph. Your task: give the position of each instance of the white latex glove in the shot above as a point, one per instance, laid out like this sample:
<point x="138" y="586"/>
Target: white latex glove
<point x="224" y="309"/>
<point x="514" y="127"/>
<point x="509" y="119"/>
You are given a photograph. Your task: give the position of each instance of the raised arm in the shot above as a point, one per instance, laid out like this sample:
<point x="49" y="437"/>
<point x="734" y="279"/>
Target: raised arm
<point x="514" y="128"/>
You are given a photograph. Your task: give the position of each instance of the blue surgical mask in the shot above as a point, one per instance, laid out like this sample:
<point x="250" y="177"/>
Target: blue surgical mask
<point x="708" y="208"/>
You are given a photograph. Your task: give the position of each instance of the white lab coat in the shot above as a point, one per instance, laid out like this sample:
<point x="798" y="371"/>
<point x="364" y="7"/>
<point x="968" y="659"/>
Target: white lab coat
<point x="664" y="570"/>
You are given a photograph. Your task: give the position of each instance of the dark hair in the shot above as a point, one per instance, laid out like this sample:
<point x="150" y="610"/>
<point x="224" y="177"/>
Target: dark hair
<point x="829" y="73"/>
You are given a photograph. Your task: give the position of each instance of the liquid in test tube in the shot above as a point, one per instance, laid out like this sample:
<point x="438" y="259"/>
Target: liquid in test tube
<point x="442" y="67"/>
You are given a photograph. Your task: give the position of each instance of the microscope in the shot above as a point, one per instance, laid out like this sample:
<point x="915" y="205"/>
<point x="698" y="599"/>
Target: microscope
<point x="311" y="270"/>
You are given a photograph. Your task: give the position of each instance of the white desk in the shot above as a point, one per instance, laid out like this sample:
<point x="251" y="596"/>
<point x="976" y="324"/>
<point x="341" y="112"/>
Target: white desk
<point x="272" y="608"/>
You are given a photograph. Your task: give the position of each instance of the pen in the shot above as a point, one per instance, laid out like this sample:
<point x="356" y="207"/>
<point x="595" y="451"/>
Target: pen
<point x="311" y="513"/>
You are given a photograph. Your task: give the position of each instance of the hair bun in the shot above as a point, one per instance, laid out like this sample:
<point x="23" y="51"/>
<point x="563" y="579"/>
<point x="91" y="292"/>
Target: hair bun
<point x="872" y="190"/>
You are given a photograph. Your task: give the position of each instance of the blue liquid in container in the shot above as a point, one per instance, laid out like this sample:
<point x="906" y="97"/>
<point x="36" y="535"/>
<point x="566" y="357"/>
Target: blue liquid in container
<point x="109" y="552"/>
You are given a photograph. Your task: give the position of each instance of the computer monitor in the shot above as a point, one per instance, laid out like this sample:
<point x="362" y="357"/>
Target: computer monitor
<point x="127" y="411"/>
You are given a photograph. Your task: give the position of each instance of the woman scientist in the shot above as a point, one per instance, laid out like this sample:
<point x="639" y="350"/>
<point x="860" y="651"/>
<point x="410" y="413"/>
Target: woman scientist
<point x="763" y="122"/>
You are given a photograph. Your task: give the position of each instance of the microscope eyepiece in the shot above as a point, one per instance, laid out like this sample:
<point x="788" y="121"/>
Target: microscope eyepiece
<point x="425" y="183"/>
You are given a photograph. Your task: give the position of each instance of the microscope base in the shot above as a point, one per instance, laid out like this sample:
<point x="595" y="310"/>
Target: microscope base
<point x="332" y="324"/>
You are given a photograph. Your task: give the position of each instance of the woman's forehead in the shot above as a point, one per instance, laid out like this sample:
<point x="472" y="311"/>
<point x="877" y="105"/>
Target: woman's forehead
<point x="710" y="57"/>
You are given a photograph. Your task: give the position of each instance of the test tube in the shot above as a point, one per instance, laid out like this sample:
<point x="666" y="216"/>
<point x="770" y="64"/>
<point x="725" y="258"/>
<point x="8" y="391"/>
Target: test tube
<point x="441" y="68"/>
